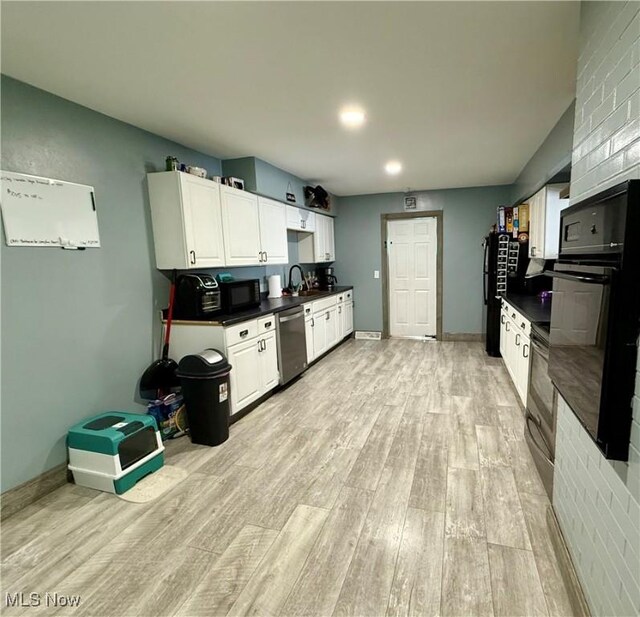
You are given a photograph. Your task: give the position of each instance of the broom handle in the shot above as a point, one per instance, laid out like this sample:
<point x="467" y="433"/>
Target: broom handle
<point x="167" y="334"/>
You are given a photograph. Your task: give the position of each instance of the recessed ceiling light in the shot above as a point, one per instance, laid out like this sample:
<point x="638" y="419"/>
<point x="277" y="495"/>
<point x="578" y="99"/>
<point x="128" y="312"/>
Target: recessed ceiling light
<point x="393" y="167"/>
<point x="352" y="117"/>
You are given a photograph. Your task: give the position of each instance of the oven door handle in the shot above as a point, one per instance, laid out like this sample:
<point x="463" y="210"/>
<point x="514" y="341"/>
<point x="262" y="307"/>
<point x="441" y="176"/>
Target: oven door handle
<point x="543" y="351"/>
<point x="581" y="277"/>
<point x="529" y="419"/>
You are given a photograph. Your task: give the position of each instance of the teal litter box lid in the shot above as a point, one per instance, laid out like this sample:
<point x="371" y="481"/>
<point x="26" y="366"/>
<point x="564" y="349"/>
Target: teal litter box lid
<point x="104" y="432"/>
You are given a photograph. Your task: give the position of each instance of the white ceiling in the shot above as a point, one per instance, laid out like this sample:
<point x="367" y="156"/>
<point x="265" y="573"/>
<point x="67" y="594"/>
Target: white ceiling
<point x="462" y="93"/>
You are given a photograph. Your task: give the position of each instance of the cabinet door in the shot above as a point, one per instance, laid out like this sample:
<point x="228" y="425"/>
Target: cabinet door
<point x="537" y="215"/>
<point x="308" y="329"/>
<point x="348" y="317"/>
<point x="308" y="220"/>
<point x="319" y="334"/>
<point x="522" y="363"/>
<point x="241" y="225"/>
<point x="246" y="382"/>
<point x="319" y="240"/>
<point x="341" y="327"/>
<point x="503" y="334"/>
<point x="268" y="350"/>
<point x="333" y="328"/>
<point x="509" y="347"/>
<point x="273" y="231"/>
<point x="330" y="247"/>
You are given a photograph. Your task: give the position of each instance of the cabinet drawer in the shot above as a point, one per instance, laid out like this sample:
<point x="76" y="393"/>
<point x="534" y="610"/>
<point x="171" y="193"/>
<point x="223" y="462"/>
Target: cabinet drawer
<point x="241" y="332"/>
<point x="325" y="303"/>
<point x="266" y="324"/>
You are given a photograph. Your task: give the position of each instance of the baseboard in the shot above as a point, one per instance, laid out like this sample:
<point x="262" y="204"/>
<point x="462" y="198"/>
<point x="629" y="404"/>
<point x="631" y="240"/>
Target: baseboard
<point x="579" y="605"/>
<point x="473" y="337"/>
<point x="21" y="496"/>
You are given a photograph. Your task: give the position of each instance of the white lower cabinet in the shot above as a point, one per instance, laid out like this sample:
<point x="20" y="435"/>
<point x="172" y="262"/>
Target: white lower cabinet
<point x="250" y="347"/>
<point x="333" y="327"/>
<point x="320" y="343"/>
<point x="515" y="348"/>
<point x="348" y="317"/>
<point x="245" y="379"/>
<point x="268" y="356"/>
<point x="308" y="330"/>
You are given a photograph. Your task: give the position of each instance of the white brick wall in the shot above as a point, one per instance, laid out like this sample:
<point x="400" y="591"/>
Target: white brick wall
<point x="597" y="501"/>
<point x="606" y="147"/>
<point x="600" y="520"/>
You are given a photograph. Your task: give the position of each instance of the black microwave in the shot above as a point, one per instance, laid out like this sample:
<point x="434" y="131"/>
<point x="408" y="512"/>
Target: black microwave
<point x="239" y="295"/>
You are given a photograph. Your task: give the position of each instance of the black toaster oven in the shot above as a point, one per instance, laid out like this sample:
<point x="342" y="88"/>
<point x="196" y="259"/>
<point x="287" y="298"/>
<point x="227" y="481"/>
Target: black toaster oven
<point x="197" y="297"/>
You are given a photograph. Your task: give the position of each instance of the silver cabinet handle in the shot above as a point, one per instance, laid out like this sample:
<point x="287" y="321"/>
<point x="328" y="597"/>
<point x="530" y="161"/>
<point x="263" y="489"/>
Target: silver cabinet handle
<point x="513" y="315"/>
<point x="266" y="256"/>
<point x="260" y="256"/>
<point x="340" y="309"/>
<point x="525" y="346"/>
<point x="244" y="333"/>
<point x="192" y="255"/>
<point x="328" y="316"/>
<point x="518" y="339"/>
<point x="313" y="322"/>
<point x="267" y="325"/>
<point x="533" y="251"/>
<point x="501" y="318"/>
<point x="506" y="326"/>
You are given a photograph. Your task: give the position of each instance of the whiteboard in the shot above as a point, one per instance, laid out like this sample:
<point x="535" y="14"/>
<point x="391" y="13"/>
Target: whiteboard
<point x="43" y="212"/>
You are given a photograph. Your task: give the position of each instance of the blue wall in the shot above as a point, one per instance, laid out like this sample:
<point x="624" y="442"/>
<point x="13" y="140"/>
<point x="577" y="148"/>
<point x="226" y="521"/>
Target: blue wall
<point x="552" y="156"/>
<point x="467" y="215"/>
<point x="77" y="327"/>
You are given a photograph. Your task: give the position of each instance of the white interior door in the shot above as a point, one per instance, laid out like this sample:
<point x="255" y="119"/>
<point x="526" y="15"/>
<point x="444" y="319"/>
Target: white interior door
<point x="412" y="251"/>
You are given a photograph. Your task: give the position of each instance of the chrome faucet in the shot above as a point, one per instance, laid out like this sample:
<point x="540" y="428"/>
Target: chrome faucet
<point x="291" y="269"/>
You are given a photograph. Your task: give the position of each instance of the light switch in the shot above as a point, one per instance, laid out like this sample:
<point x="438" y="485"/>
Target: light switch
<point x="376" y="274"/>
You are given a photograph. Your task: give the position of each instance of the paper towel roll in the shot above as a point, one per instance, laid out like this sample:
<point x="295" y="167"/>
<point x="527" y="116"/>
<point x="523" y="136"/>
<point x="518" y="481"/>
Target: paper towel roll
<point x="275" y="286"/>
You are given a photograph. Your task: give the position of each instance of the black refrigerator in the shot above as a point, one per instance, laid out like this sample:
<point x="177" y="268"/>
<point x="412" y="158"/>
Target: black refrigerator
<point x="496" y="254"/>
<point x="505" y="262"/>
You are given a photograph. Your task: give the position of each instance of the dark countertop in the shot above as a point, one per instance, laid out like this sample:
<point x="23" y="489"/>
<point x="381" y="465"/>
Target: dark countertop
<point x="531" y="307"/>
<point x="267" y="306"/>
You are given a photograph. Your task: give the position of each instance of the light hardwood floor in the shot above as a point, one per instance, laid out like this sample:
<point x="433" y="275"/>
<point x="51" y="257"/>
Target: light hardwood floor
<point x="391" y="479"/>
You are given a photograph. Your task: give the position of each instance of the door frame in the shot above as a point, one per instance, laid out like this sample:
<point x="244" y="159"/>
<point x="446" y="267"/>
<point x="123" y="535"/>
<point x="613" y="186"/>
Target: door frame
<point x="394" y="216"/>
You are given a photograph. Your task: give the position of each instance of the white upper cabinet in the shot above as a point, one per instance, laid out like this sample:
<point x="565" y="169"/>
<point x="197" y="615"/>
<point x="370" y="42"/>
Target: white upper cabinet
<point x="273" y="231"/>
<point x="300" y="220"/>
<point x="187" y="221"/>
<point x="255" y="229"/>
<point x="319" y="247"/>
<point x="544" y="221"/>
<point x="241" y="225"/>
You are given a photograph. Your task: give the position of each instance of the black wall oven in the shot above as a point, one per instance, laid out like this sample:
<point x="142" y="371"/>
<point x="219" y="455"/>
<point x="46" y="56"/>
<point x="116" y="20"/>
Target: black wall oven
<point x="595" y="313"/>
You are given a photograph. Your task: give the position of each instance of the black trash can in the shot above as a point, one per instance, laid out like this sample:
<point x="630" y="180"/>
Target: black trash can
<point x="205" y="387"/>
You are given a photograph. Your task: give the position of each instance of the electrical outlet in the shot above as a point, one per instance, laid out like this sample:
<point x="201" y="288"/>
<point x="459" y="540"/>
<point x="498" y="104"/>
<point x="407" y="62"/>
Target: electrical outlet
<point x="376" y="274"/>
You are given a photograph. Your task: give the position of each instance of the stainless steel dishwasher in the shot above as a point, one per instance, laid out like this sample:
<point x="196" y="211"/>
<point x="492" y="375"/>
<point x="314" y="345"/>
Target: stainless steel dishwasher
<point x="292" y="343"/>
